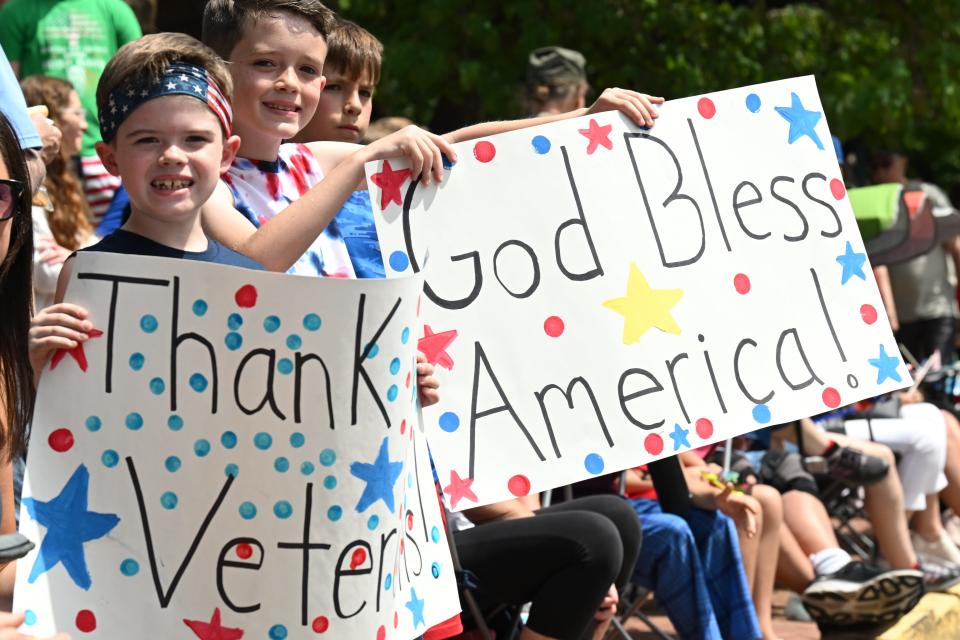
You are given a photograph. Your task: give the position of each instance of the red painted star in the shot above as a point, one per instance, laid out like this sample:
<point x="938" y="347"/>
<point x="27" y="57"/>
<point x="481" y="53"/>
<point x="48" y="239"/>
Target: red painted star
<point x="597" y="136"/>
<point x="77" y="353"/>
<point x="213" y="630"/>
<point x="434" y="346"/>
<point x="458" y="489"/>
<point x="390" y="182"/>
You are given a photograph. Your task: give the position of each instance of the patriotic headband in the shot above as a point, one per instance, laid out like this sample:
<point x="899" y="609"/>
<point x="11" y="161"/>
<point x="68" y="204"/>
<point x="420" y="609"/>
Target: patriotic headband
<point x="181" y="78"/>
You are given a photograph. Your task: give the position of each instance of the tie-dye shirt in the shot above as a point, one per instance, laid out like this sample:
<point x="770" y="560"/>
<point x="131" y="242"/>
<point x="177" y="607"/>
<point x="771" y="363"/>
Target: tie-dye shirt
<point x="263" y="189"/>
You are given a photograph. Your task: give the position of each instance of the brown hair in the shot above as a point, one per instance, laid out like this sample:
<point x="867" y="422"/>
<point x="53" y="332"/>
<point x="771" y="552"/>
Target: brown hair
<point x="143" y="61"/>
<point x="16" y="307"/>
<point x="224" y="21"/>
<point x="69" y="217"/>
<point x="354" y="51"/>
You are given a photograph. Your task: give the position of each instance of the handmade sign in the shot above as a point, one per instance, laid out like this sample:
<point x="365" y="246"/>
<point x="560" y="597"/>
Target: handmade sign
<point x="233" y="455"/>
<point x="598" y="296"/>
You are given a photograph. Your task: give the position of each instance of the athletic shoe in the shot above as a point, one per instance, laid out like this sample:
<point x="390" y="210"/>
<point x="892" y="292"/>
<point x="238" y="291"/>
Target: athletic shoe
<point x="938" y="575"/>
<point x="860" y="594"/>
<point x="942" y="548"/>
<point x="856" y="467"/>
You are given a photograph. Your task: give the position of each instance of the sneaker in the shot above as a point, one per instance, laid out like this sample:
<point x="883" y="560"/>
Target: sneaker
<point x="938" y="575"/>
<point x="855" y="467"/>
<point x="793" y="609"/>
<point x="860" y="594"/>
<point x="942" y="548"/>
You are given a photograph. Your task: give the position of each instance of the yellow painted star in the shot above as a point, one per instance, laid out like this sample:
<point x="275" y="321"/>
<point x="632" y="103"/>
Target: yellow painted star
<point x="644" y="308"/>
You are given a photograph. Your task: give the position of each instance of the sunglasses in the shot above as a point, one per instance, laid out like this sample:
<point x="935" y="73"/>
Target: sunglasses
<point x="11" y="191"/>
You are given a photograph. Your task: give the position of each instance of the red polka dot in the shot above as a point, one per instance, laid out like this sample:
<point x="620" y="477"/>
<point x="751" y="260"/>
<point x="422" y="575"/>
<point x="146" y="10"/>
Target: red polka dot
<point x="410" y="521"/>
<point x="86" y="621"/>
<point x="401" y="546"/>
<point x="706" y="108"/>
<point x="837" y="189"/>
<point x="61" y="440"/>
<point x="831" y="397"/>
<point x="519" y="485"/>
<point x="653" y="444"/>
<point x="246" y="296"/>
<point x="553" y="326"/>
<point x="407" y="383"/>
<point x="403" y="426"/>
<point x="868" y="313"/>
<point x="396" y="620"/>
<point x="484" y="151"/>
<point x="741" y="282"/>
<point x="704" y="428"/>
<point x="357" y="558"/>
<point x="320" y="624"/>
<point x="381" y="633"/>
<point x="244" y="551"/>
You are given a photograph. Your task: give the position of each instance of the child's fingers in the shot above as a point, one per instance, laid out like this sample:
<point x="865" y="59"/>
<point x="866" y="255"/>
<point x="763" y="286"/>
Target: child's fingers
<point x="424" y="368"/>
<point x="428" y="382"/>
<point x="426" y="169"/>
<point x="414" y="155"/>
<point x="39" y="333"/>
<point x="54" y="343"/>
<point x="421" y="357"/>
<point x="445" y="147"/>
<point x="428" y="397"/>
<point x="67" y="308"/>
<point x="62" y="320"/>
<point x="437" y="162"/>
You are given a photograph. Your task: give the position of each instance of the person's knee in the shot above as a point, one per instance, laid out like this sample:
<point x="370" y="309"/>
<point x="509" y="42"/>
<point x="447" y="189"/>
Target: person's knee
<point x="601" y="546"/>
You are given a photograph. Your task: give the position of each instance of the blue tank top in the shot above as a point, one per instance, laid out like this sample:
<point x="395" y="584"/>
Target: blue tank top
<point x="121" y="241"/>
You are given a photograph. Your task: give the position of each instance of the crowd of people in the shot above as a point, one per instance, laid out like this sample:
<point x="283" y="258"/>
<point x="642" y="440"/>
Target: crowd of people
<point x="118" y="153"/>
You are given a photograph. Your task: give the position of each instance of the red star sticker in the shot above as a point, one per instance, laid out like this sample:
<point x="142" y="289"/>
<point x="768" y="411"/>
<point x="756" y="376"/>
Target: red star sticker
<point x="434" y="346"/>
<point x="390" y="182"/>
<point x="76" y="353"/>
<point x="597" y="136"/>
<point x="213" y="630"/>
<point x="458" y="489"/>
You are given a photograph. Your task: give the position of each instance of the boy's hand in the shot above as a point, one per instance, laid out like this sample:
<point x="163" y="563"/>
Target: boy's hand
<point x="636" y="106"/>
<point x="427" y="383"/>
<point x="9" y="622"/>
<point x="421" y="148"/>
<point x="741" y="507"/>
<point x="61" y="326"/>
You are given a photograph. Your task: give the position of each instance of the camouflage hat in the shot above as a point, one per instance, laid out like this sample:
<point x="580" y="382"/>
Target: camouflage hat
<point x="556" y="65"/>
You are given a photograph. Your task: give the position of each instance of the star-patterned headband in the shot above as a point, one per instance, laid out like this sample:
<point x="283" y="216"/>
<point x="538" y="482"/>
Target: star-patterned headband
<point x="180" y="78"/>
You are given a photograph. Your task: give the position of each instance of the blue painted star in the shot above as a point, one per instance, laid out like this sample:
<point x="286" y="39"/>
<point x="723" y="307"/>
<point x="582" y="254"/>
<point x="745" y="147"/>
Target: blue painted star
<point x="679" y="437"/>
<point x="380" y="477"/>
<point x="416" y="608"/>
<point x="852" y="263"/>
<point x="886" y="366"/>
<point x="69" y="525"/>
<point x="802" y="122"/>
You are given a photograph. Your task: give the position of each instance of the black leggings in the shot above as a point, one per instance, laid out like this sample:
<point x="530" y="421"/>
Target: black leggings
<point x="562" y="561"/>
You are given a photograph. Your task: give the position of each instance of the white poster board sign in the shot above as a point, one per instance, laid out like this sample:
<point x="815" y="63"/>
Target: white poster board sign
<point x="233" y="456"/>
<point x="598" y="296"/>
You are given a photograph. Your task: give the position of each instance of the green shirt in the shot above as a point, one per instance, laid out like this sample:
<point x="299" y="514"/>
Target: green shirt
<point x="69" y="39"/>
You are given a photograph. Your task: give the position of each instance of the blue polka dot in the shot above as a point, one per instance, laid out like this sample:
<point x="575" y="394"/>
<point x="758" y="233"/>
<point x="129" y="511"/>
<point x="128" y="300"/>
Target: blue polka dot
<point x="409" y="480"/>
<point x="392" y="392"/>
<point x="277" y="632"/>
<point x="311" y="322"/>
<point x="373" y="522"/>
<point x="228" y="439"/>
<point x="281" y="464"/>
<point x="435" y="569"/>
<point x="110" y="458"/>
<point x="593" y="463"/>
<point x="233" y="340"/>
<point x="199" y="307"/>
<point x="134" y="421"/>
<point x="335" y="512"/>
<point x="330" y="482"/>
<point x="307" y="468"/>
<point x="761" y="413"/>
<point x="374" y="350"/>
<point x="262" y="440"/>
<point x="294" y="342"/>
<point x="540" y="144"/>
<point x="172" y="464"/>
<point x="328" y="457"/>
<point x="129" y="567"/>
<point x="753" y="102"/>
<point x="175" y="423"/>
<point x="136" y="361"/>
<point x="234" y="321"/>
<point x="157" y="386"/>
<point x="248" y="511"/>
<point x="297" y="439"/>
<point x="435" y="534"/>
<point x="93" y="423"/>
<point x="169" y="500"/>
<point x="29" y="617"/>
<point x="283" y="509"/>
<point x="405" y="335"/>
<point x="285" y="366"/>
<point x="399" y="261"/>
<point x="148" y="323"/>
<point x="199" y="382"/>
<point x="271" y="324"/>
<point x="231" y="470"/>
<point x="201" y="447"/>
<point x="395" y="366"/>
<point x="388" y="582"/>
<point x="449" y="421"/>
